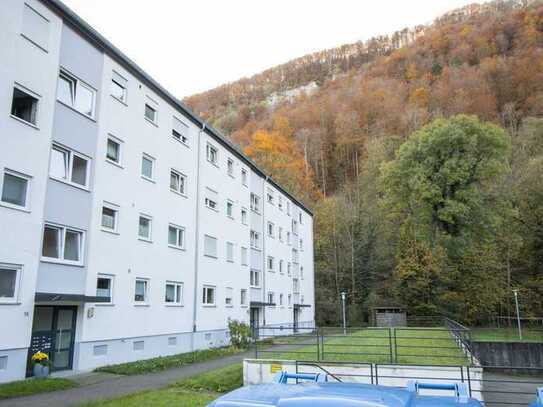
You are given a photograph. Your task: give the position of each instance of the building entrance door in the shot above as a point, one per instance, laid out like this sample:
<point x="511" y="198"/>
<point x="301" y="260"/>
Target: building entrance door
<point x="53" y="332"/>
<point x="254" y="321"/>
<point x="296" y="318"/>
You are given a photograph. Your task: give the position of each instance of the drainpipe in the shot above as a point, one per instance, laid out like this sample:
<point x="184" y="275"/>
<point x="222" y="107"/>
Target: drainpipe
<point x="264" y="272"/>
<point x="196" y="232"/>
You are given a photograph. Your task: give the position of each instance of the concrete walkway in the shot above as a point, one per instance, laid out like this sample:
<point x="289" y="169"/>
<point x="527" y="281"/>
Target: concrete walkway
<point x="99" y="386"/>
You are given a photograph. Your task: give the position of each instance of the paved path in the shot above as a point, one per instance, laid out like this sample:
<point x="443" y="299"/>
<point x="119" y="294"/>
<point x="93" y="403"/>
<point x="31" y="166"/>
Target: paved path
<point x="97" y="386"/>
<point x="501" y="389"/>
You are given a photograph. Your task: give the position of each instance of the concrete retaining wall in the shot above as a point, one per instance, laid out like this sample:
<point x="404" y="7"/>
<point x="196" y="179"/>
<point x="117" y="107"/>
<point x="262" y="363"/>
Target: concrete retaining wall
<point x="523" y="354"/>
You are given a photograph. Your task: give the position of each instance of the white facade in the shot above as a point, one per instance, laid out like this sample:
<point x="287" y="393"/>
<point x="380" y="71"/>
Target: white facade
<point x="131" y="229"/>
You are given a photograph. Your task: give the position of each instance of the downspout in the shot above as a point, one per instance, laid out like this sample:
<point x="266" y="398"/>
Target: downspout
<point x="196" y="232"/>
<point x="264" y="272"/>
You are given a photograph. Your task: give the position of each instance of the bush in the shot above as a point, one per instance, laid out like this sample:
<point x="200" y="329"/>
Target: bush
<point x="219" y="381"/>
<point x="240" y="333"/>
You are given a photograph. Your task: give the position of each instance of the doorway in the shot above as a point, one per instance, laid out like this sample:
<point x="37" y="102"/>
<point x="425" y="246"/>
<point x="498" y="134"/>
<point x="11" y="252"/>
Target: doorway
<point x="255" y="321"/>
<point x="296" y="319"/>
<point x="53" y="332"/>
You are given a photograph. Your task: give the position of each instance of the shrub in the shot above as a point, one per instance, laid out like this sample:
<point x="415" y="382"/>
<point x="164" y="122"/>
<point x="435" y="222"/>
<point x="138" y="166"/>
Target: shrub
<point x="240" y="333"/>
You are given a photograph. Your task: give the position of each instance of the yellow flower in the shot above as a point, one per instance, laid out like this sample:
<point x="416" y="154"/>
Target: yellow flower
<point x="40" y="357"/>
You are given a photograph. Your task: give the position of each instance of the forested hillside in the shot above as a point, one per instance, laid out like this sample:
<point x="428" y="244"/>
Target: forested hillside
<point x="347" y="130"/>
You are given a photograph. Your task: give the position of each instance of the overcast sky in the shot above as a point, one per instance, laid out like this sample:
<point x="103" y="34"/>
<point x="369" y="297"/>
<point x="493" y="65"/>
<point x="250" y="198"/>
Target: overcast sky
<point x="193" y="45"/>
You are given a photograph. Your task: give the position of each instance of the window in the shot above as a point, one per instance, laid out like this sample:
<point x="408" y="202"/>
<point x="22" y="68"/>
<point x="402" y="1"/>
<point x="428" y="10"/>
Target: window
<point x="118" y="87"/>
<point x="288" y="237"/>
<point x="295" y="286"/>
<point x="280" y="202"/>
<point x="271" y="264"/>
<point x="294" y="227"/>
<point x="302" y="272"/>
<point x="147" y="167"/>
<point x="35" y="27"/>
<point x="177" y="182"/>
<point x="174" y="293"/>
<point x="212" y="154"/>
<point x="62" y="243"/>
<point x="150" y="113"/>
<point x="288" y="208"/>
<point x="271" y="232"/>
<point x="176" y="236"/>
<point x="280" y="233"/>
<point x="255" y="278"/>
<point x="210" y="246"/>
<point x="301" y="299"/>
<point x="281" y="270"/>
<point x="211" y="204"/>
<point x="289" y="299"/>
<point x="230" y="167"/>
<point x="180" y="131"/>
<point x="271" y="298"/>
<point x="109" y="218"/>
<point x="228" y="299"/>
<point x="113" y="151"/>
<point x="270" y="197"/>
<point x="230" y="252"/>
<point x="255" y="203"/>
<point x="244" y="256"/>
<point x="69" y="166"/>
<point x="244" y="176"/>
<point x="255" y="239"/>
<point x="104" y="287"/>
<point x="244" y="216"/>
<point x="300" y="217"/>
<point x="9" y="282"/>
<point x="141" y="290"/>
<point x="289" y="268"/>
<point x="301" y="244"/>
<point x="295" y="257"/>
<point x="138" y="345"/>
<point x="24" y="106"/>
<point x="15" y="189"/>
<point x="281" y="299"/>
<point x="230" y="209"/>
<point x="208" y="297"/>
<point x="243" y="297"/>
<point x="145" y="225"/>
<point x="76" y="94"/>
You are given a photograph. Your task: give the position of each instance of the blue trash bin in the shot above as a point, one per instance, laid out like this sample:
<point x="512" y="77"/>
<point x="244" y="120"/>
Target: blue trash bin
<point x="316" y="391"/>
<point x="539" y="398"/>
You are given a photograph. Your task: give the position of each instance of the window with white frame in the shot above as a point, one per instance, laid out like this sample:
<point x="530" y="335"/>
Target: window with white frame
<point x="180" y="131"/>
<point x="230" y="252"/>
<point x="255" y="239"/>
<point x="145" y="227"/>
<point x="295" y="286"/>
<point x="244" y="256"/>
<point x="76" y="94"/>
<point x="208" y="295"/>
<point x="228" y="298"/>
<point x="176" y="236"/>
<point x="255" y="278"/>
<point x="244" y="177"/>
<point x="147" y="167"/>
<point x="151" y="113"/>
<point x="294" y="227"/>
<point x="177" y="182"/>
<point x="271" y="263"/>
<point x="300" y="217"/>
<point x="210" y="246"/>
<point x="301" y="244"/>
<point x="141" y="290"/>
<point x="271" y="197"/>
<point x="62" y="243"/>
<point x="110" y="215"/>
<point x="211" y="203"/>
<point x="301" y="299"/>
<point x="118" y="87"/>
<point x="302" y="272"/>
<point x="280" y="202"/>
<point x="24" y="105"/>
<point x="15" y="189"/>
<point x="10" y="276"/>
<point x="114" y="150"/>
<point x="35" y="27"/>
<point x="289" y="268"/>
<point x="243" y="297"/>
<point x="289" y="299"/>
<point x="244" y="219"/>
<point x="280" y="233"/>
<point x="281" y="267"/>
<point x="212" y="154"/>
<point x="230" y="209"/>
<point x="104" y="287"/>
<point x="173" y="293"/>
<point x="255" y="203"/>
<point x="288" y="208"/>
<point x="271" y="298"/>
<point x="281" y="299"/>
<point x="230" y="167"/>
<point x="271" y="229"/>
<point x="288" y="238"/>
<point x="68" y="166"/>
<point x="295" y="257"/>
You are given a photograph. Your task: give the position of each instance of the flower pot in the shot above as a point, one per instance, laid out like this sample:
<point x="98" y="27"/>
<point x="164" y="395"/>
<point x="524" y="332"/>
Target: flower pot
<point x="40" y="370"/>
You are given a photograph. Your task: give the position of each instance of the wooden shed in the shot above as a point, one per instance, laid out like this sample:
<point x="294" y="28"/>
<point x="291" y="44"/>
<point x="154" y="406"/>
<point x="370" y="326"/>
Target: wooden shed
<point x="389" y="316"/>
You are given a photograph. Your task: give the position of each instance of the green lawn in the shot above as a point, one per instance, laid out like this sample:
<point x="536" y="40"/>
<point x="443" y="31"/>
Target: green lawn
<point x="413" y="346"/>
<point x="168" y="362"/>
<point x="505" y="335"/>
<point x="196" y="391"/>
<point x="32" y="386"/>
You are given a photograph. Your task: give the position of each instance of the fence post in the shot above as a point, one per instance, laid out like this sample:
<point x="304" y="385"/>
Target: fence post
<point x="390" y="344"/>
<point x="395" y="346"/>
<point x="469" y="381"/>
<point x="322" y="345"/>
<point x="376" y="375"/>
<point x="318" y="347"/>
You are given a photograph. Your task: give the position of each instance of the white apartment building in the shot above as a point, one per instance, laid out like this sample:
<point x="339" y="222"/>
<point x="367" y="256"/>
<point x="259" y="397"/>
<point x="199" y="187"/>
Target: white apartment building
<point x="130" y="227"/>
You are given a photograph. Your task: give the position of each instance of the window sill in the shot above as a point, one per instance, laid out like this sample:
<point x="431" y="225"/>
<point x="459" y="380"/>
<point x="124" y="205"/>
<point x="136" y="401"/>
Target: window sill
<point x="72" y="184"/>
<point x="245" y="185"/>
<point x="25" y="122"/>
<point x="229" y="306"/>
<point x="77" y="111"/>
<point x="63" y="262"/>
<point x="142" y="305"/>
<point x="258" y="249"/>
<point x="150" y="121"/>
<point x="173" y="305"/>
<point x="230" y="217"/>
<point x="230" y="261"/>
<point x="110" y="231"/>
<point x="179" y="193"/>
<point x="142" y="239"/>
<point x="171" y="246"/>
<point x="14" y="207"/>
<point x="231" y="176"/>
<point x="181" y="142"/>
<point x="148" y="179"/>
<point x="34" y="43"/>
<point x="116" y="164"/>
<point x="122" y="102"/>
<point x="8" y="302"/>
<point x="213" y="163"/>
<point x="254" y="286"/>
<point x="244" y="306"/>
<point x="104" y="304"/>
<point x="210" y="256"/>
<point x="271" y="236"/>
<point x="209" y="306"/>
<point x="255" y="211"/>
<point x="213" y="209"/>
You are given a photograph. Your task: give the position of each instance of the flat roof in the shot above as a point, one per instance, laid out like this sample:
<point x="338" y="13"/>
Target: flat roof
<point x="102" y="43"/>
